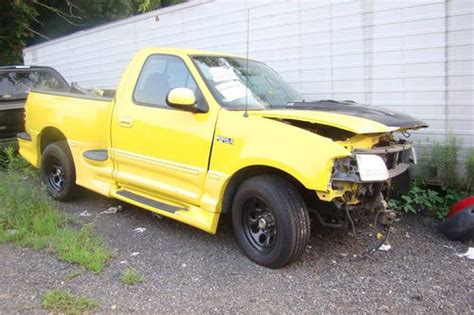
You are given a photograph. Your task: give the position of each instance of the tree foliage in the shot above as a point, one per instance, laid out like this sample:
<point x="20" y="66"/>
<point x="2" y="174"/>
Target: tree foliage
<point x="16" y="18"/>
<point x="26" y="22"/>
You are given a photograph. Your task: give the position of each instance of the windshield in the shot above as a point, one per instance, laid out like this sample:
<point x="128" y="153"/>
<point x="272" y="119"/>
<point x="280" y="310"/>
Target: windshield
<point x="16" y="83"/>
<point x="233" y="83"/>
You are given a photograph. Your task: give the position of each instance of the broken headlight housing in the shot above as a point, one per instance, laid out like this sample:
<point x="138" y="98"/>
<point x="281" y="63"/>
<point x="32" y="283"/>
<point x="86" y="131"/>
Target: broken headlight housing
<point x="363" y="168"/>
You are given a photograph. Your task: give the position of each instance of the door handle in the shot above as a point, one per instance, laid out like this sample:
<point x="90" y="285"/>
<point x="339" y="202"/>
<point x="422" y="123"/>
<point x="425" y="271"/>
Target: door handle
<point x="126" y="121"/>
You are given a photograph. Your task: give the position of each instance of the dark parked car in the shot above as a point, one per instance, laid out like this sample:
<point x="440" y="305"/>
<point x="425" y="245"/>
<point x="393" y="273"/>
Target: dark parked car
<point x="15" y="83"/>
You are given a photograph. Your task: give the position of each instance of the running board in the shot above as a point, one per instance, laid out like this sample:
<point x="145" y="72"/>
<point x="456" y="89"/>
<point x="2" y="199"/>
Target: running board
<point x="149" y="202"/>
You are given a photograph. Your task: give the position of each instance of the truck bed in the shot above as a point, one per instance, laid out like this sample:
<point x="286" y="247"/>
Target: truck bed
<point x="82" y="95"/>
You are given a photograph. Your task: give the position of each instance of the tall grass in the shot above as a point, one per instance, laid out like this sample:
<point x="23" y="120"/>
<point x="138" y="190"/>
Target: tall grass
<point x="28" y="218"/>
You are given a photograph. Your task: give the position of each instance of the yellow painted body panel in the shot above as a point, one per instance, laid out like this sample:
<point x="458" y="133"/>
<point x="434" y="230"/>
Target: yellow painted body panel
<point x="86" y="125"/>
<point x="173" y="156"/>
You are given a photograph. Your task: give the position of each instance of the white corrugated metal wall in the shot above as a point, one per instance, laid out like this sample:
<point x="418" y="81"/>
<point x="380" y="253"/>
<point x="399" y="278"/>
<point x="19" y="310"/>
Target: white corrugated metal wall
<point x="410" y="56"/>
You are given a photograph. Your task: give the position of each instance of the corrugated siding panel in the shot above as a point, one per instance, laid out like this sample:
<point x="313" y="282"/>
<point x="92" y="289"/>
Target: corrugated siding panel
<point x="410" y="56"/>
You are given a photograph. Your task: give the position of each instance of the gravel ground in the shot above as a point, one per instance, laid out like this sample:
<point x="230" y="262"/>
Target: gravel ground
<point x="190" y="271"/>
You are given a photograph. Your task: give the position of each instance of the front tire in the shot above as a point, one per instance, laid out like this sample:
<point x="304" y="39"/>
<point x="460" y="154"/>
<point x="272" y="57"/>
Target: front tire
<point x="58" y="172"/>
<point x="270" y="221"/>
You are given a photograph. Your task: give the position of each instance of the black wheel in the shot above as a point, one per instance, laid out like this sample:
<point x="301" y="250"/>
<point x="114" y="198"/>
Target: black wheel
<point x="58" y="172"/>
<point x="270" y="221"/>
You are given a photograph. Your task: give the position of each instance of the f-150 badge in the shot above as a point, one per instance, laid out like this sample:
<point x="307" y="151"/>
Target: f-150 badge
<point x="225" y="140"/>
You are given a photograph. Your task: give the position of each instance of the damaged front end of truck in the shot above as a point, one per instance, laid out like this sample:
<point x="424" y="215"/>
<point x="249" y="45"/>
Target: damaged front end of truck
<point x="360" y="184"/>
<point x="380" y="158"/>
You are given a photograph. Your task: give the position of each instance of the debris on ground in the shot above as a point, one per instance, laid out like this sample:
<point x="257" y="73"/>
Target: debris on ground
<point x="139" y="230"/>
<point x="135" y="254"/>
<point x="157" y="216"/>
<point x="469" y="254"/>
<point x="85" y="213"/>
<point x="123" y="262"/>
<point x="385" y="247"/>
<point x="112" y="210"/>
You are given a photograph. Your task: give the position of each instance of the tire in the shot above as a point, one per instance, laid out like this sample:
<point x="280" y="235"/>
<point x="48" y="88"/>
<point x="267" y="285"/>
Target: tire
<point x="269" y="205"/>
<point x="58" y="172"/>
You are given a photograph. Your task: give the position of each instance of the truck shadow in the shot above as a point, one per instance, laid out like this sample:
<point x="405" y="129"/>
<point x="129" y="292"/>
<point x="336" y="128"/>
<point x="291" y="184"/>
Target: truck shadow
<point x="325" y="244"/>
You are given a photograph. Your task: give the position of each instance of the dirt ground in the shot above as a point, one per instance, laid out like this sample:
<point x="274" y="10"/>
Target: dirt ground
<point x="190" y="271"/>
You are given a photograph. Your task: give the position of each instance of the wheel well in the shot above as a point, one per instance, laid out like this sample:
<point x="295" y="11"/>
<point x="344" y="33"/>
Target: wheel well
<point x="50" y="135"/>
<point x="238" y="178"/>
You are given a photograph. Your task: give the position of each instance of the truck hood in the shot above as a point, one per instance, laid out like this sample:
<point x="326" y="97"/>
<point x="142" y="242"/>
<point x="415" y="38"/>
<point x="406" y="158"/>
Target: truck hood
<point x="350" y="116"/>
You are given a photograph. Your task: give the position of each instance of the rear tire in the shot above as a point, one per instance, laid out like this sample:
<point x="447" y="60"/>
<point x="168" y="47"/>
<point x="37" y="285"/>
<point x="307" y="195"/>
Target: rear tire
<point x="58" y="172"/>
<point x="270" y="221"/>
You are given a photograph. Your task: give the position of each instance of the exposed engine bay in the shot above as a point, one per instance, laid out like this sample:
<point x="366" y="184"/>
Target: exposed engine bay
<point x="363" y="195"/>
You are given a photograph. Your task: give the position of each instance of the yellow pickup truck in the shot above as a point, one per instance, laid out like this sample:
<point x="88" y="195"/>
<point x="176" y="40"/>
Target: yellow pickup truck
<point x="192" y="134"/>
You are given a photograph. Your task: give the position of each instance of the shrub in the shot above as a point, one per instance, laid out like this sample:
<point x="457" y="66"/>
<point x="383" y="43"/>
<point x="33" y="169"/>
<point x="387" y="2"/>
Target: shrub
<point x="421" y="198"/>
<point x="418" y="198"/>
<point x="440" y="163"/>
<point x="470" y="169"/>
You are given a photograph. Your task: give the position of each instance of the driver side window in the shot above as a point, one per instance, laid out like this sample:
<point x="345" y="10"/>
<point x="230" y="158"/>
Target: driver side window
<point x="159" y="75"/>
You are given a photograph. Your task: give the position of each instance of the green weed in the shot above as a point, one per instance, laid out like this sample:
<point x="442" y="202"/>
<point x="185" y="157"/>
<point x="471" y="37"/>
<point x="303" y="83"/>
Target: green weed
<point x="470" y="169"/>
<point x="422" y="198"/>
<point x="131" y="277"/>
<point x="83" y="247"/>
<point x="441" y="162"/>
<point x="14" y="162"/>
<point x="64" y="302"/>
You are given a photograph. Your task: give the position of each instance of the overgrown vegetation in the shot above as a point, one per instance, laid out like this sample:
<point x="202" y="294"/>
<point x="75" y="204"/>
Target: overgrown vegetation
<point x="470" y="169"/>
<point x="13" y="163"/>
<point x="441" y="162"/>
<point x="29" y="218"/>
<point x="131" y="276"/>
<point x="421" y="198"/>
<point x="437" y="185"/>
<point x="64" y="302"/>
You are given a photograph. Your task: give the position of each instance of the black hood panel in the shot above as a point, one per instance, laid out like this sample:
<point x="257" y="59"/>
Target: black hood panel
<point x="374" y="113"/>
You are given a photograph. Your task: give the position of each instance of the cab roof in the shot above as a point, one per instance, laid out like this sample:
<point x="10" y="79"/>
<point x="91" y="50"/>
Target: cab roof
<point x="189" y="52"/>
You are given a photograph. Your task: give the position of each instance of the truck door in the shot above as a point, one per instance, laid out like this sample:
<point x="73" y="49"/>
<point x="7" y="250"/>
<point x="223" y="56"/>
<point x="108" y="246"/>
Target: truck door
<point x="159" y="150"/>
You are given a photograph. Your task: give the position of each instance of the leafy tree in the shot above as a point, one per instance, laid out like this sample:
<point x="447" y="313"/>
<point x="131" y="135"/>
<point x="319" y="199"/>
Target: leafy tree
<point x="26" y="22"/>
<point x="16" y="18"/>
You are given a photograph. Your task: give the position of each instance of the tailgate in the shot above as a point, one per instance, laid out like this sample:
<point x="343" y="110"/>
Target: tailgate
<point x="11" y="119"/>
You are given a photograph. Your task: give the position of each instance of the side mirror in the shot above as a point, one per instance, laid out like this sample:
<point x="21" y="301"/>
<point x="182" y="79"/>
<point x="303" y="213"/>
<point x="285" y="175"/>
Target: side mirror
<point x="182" y="98"/>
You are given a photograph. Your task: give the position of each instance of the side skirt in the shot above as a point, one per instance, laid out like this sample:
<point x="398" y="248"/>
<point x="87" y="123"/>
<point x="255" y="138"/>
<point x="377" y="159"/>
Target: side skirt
<point x="189" y="214"/>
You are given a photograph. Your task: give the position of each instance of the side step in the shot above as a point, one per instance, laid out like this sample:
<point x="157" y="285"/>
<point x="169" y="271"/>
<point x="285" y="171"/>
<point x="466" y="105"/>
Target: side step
<point x="189" y="214"/>
<point x="149" y="202"/>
